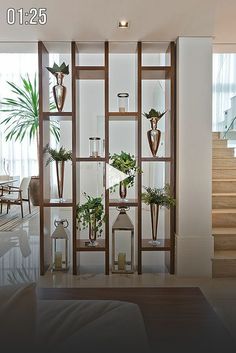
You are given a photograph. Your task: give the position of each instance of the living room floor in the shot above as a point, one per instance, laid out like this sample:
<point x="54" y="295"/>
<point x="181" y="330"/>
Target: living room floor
<point x="19" y="261"/>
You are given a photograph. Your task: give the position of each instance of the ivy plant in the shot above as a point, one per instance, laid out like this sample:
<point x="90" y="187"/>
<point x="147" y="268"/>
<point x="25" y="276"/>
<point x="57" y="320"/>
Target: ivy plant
<point x="91" y="212"/>
<point x="126" y="163"/>
<point x="161" y="197"/>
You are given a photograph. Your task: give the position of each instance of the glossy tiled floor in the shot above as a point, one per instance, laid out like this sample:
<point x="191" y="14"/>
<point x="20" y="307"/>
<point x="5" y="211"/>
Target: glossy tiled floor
<point x="19" y="261"/>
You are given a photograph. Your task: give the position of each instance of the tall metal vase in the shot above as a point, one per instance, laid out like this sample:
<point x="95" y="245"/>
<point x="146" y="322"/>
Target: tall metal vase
<point x="92" y="231"/>
<point x="59" y="91"/>
<point x="123" y="191"/>
<point x="154" y="208"/>
<point x="60" y="168"/>
<point x="154" y="136"/>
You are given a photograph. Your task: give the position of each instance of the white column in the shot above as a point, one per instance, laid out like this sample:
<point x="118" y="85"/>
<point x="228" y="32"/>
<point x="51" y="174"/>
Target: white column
<point x="194" y="242"/>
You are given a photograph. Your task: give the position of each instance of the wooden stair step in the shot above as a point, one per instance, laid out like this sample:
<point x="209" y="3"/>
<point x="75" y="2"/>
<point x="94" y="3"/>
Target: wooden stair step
<point x="224" y="264"/>
<point x="224" y="217"/>
<point x="224" y="163"/>
<point x="232" y="194"/>
<point x="221" y="173"/>
<point x="219" y="143"/>
<point x="223" y="239"/>
<point x="224" y="255"/>
<point x="215" y="135"/>
<point x="224" y="231"/>
<point x="223" y="200"/>
<point x="223" y="153"/>
<point x="224" y="185"/>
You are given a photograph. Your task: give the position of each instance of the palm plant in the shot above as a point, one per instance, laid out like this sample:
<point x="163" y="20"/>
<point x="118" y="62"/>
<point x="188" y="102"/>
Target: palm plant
<point x="23" y="112"/>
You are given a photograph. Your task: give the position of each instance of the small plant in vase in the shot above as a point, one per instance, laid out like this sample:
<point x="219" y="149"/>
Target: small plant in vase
<point x="59" y="90"/>
<point x="157" y="198"/>
<point x="125" y="163"/>
<point x="91" y="215"/>
<point x="60" y="157"/>
<point x="154" y="135"/>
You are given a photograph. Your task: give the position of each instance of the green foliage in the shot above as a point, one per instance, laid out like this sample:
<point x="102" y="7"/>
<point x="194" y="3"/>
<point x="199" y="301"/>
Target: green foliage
<point x="157" y="196"/>
<point x="56" y="68"/>
<point x="91" y="212"/>
<point x="57" y="155"/>
<point x="154" y="114"/>
<point x="23" y="111"/>
<point x="126" y="163"/>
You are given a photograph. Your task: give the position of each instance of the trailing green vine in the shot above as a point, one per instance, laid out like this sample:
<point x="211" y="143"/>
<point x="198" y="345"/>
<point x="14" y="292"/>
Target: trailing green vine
<point x="91" y="212"/>
<point x="126" y="163"/>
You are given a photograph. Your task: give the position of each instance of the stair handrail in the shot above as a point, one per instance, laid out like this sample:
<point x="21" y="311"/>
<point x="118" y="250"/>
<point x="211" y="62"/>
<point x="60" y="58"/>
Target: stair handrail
<point x="232" y="121"/>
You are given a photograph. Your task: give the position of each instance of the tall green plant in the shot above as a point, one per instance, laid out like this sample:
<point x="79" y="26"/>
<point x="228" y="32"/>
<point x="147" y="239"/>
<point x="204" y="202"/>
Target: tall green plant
<point x="22" y="112"/>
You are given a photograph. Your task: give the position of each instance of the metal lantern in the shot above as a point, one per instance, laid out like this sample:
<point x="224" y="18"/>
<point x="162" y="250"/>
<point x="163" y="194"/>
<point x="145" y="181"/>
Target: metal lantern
<point x="120" y="264"/>
<point x="60" y="239"/>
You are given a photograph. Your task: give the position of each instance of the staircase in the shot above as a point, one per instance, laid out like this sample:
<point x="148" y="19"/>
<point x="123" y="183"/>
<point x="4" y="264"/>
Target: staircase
<point x="223" y="208"/>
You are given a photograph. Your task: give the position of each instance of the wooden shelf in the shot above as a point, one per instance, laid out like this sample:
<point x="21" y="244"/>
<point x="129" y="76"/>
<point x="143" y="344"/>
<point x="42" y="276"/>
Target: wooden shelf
<point x="102" y="72"/>
<point x="164" y="246"/>
<point x="155" y="72"/>
<point x="119" y="203"/>
<point x="156" y="159"/>
<point x="90" y="72"/>
<point x="90" y="159"/>
<point x="62" y="116"/>
<point x="57" y="203"/>
<point x="80" y="245"/>
<point x="120" y="116"/>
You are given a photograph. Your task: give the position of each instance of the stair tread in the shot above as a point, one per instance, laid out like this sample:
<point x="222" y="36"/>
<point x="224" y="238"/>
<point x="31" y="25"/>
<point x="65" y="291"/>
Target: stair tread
<point x="224" y="179"/>
<point x="224" y="231"/>
<point x="233" y="194"/>
<point x="224" y="255"/>
<point x="224" y="210"/>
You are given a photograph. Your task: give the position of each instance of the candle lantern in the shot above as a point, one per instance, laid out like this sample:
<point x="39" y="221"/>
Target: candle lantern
<point x="120" y="263"/>
<point x="60" y="239"/>
<point x="94" y="146"/>
<point x="123" y="102"/>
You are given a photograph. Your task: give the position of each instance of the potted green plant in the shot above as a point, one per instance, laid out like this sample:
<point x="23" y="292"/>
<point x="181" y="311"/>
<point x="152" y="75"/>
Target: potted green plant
<point x="60" y="157"/>
<point x="126" y="163"/>
<point x="157" y="198"/>
<point x="154" y="135"/>
<point x="91" y="215"/>
<point x="59" y="90"/>
<point x="22" y="110"/>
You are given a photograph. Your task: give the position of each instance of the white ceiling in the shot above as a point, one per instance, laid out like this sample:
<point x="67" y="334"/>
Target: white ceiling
<point x="150" y="20"/>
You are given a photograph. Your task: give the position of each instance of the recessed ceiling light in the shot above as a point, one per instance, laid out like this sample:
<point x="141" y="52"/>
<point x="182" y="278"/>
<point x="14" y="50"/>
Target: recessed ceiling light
<point x="123" y="24"/>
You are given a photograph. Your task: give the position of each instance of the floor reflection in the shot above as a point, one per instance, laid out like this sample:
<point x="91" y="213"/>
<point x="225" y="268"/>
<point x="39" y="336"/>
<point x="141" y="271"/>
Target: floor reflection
<point x="19" y="252"/>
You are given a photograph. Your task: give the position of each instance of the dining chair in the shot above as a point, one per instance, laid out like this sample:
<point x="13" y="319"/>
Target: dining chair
<point x="16" y="195"/>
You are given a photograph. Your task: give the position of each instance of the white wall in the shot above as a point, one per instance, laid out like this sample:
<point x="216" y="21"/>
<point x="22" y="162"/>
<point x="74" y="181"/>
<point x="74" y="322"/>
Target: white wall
<point x="194" y="243"/>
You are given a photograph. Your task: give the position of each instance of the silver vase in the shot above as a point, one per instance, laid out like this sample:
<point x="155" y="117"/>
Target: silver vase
<point x="154" y="208"/>
<point x="60" y="168"/>
<point x="154" y="136"/>
<point x="59" y="91"/>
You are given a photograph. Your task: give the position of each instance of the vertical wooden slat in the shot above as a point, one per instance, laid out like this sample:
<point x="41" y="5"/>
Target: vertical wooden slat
<point x="107" y="259"/>
<point x="173" y="154"/>
<point x="43" y="89"/>
<point x="74" y="148"/>
<point x="139" y="83"/>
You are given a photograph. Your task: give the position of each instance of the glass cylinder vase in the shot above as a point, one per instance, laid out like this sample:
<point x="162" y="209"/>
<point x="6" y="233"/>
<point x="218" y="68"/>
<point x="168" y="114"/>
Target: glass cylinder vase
<point x="123" y="102"/>
<point x="94" y="147"/>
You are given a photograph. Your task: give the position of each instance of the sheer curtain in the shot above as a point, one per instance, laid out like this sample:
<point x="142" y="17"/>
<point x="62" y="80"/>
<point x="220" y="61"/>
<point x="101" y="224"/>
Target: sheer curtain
<point x="224" y="87"/>
<point x="21" y="157"/>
